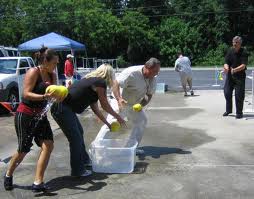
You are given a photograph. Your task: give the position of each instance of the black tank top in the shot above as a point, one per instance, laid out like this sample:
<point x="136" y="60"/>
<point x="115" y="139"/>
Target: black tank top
<point x="82" y="93"/>
<point x="39" y="88"/>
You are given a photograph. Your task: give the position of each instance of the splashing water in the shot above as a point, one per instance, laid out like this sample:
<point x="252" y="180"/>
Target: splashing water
<point x="43" y="112"/>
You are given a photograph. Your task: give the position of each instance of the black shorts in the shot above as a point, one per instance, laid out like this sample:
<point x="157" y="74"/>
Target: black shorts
<point x="29" y="128"/>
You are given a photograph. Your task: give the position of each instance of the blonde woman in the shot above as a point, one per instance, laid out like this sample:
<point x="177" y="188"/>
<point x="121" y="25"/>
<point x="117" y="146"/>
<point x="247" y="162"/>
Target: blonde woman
<point x="82" y="94"/>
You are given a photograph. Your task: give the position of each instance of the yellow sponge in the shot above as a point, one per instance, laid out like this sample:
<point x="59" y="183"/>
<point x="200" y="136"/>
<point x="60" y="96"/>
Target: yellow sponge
<point x="115" y="126"/>
<point x="58" y="91"/>
<point x="137" y="107"/>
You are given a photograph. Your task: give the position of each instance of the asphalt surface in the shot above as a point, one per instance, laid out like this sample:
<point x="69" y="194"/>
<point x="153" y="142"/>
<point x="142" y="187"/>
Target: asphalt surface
<point x="191" y="152"/>
<point x="203" y="79"/>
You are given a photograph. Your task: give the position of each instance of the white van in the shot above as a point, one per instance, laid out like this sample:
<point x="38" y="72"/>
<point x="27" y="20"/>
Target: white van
<point x="9" y="52"/>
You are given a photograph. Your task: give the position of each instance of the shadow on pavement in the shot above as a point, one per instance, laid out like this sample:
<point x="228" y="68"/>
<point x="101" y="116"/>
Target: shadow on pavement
<point x="73" y="182"/>
<point x="6" y="160"/>
<point x="140" y="167"/>
<point x="69" y="182"/>
<point x="156" y="152"/>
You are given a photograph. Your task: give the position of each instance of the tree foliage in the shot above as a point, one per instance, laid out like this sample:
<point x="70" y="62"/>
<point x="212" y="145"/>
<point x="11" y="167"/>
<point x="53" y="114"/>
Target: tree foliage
<point x="178" y="36"/>
<point x="134" y="30"/>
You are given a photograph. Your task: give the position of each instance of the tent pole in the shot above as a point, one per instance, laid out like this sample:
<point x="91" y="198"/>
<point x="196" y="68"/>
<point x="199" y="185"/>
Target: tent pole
<point x="75" y="63"/>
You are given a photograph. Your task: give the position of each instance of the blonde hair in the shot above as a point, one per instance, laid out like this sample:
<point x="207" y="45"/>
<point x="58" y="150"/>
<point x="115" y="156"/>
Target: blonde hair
<point x="104" y="71"/>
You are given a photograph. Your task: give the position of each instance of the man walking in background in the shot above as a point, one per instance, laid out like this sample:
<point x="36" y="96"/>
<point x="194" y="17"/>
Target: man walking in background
<point x="68" y="70"/>
<point x="235" y="65"/>
<point x="183" y="66"/>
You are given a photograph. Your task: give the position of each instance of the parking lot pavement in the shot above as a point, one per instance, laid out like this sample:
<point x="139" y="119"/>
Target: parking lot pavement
<point x="191" y="152"/>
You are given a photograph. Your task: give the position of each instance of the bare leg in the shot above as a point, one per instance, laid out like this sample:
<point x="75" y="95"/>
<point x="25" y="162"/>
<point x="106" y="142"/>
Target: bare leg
<point x="15" y="161"/>
<point x="46" y="149"/>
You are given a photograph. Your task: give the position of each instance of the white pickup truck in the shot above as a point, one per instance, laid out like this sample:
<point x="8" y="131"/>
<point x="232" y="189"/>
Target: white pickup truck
<point x="12" y="70"/>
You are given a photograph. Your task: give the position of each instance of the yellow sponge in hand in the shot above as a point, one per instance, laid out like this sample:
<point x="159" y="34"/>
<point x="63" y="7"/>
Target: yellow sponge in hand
<point x="137" y="107"/>
<point x="58" y="91"/>
<point x="115" y="126"/>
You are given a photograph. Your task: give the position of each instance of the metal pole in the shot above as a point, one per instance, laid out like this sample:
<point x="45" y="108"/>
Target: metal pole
<point x="215" y="76"/>
<point x="252" y="92"/>
<point x="216" y="72"/>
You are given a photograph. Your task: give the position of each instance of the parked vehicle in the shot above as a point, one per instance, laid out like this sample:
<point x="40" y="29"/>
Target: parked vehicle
<point x="12" y="71"/>
<point x="9" y="52"/>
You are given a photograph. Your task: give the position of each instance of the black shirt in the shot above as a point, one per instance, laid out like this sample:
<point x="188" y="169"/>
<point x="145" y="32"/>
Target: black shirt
<point x="235" y="59"/>
<point x="82" y="93"/>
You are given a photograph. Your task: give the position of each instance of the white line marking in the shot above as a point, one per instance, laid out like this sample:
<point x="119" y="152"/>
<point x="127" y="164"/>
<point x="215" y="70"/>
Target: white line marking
<point x="212" y="165"/>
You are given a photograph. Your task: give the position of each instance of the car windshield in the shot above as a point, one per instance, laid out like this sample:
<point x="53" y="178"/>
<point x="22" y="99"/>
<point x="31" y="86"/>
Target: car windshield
<point x="8" y="66"/>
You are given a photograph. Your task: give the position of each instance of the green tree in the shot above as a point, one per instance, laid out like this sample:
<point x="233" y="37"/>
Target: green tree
<point x="139" y="37"/>
<point x="154" y="10"/>
<point x="98" y="28"/>
<point x="207" y="16"/>
<point x="240" y="14"/>
<point x="11" y="22"/>
<point x="175" y="36"/>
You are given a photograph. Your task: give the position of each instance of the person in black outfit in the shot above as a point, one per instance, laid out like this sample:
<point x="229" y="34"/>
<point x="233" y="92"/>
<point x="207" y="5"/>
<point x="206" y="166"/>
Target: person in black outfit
<point x="82" y="94"/>
<point x="27" y="125"/>
<point x="235" y="65"/>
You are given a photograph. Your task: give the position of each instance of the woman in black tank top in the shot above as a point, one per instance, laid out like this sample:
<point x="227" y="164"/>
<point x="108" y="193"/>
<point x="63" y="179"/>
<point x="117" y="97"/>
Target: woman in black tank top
<point x="84" y="93"/>
<point x="33" y="101"/>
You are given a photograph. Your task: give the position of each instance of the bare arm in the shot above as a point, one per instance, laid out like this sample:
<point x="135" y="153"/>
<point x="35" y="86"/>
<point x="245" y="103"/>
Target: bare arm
<point x="117" y="94"/>
<point x="176" y="67"/>
<point x="106" y="106"/>
<point x="238" y="68"/>
<point x="29" y="83"/>
<point x="97" y="112"/>
<point x="145" y="100"/>
<point x="225" y="68"/>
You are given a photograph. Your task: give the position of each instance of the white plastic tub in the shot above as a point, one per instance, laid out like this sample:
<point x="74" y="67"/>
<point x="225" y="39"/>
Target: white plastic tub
<point x="113" y="155"/>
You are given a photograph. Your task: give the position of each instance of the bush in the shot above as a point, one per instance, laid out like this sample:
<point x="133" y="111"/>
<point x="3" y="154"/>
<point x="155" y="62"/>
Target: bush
<point x="121" y="62"/>
<point x="213" y="57"/>
<point x="251" y="59"/>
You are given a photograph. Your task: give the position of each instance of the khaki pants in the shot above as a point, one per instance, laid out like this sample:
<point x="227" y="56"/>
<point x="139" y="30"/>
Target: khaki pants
<point x="135" y="120"/>
<point x="186" y="79"/>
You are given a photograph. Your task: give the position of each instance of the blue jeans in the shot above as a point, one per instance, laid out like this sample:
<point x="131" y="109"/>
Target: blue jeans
<point x="71" y="127"/>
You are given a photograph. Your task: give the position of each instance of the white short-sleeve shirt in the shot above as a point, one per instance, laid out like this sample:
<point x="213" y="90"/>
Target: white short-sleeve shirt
<point x="183" y="65"/>
<point x="134" y="85"/>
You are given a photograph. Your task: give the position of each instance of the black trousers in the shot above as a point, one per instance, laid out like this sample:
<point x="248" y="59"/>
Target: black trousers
<point x="238" y="84"/>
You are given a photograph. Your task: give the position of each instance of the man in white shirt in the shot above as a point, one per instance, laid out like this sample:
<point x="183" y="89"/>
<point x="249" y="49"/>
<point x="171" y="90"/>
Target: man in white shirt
<point x="183" y="66"/>
<point x="137" y="85"/>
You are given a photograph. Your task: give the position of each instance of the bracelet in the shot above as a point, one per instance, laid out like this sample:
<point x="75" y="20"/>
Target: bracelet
<point x="43" y="97"/>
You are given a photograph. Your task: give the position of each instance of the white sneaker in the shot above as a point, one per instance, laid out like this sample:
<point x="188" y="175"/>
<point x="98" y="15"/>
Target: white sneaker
<point x="140" y="152"/>
<point x="86" y="173"/>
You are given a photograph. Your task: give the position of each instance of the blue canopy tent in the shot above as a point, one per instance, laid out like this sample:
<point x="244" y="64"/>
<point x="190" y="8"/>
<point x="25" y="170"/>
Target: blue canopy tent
<point x="53" y="41"/>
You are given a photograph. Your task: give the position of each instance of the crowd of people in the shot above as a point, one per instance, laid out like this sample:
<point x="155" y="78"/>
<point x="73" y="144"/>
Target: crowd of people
<point x="133" y="85"/>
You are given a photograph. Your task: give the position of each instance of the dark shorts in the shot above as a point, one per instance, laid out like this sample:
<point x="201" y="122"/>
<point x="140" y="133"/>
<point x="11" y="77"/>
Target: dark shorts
<point x="28" y="129"/>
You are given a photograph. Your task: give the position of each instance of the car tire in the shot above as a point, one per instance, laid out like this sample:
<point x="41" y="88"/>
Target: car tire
<point x="14" y="99"/>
